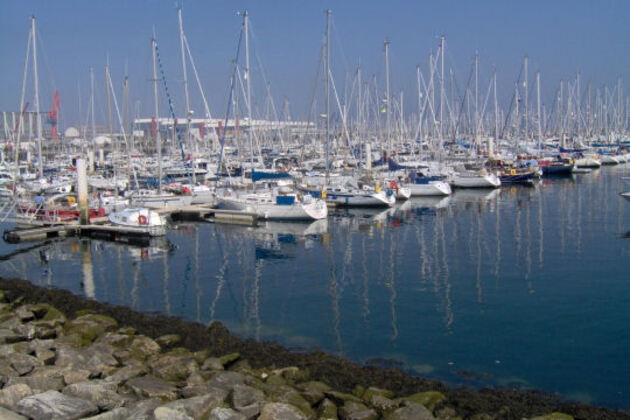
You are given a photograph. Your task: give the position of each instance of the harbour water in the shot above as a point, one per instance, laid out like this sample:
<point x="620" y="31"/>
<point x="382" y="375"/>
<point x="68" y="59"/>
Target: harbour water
<point x="521" y="286"/>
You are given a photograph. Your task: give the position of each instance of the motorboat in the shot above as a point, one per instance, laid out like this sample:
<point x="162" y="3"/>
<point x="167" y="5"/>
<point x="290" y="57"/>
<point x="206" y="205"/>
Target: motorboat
<point x="140" y="218"/>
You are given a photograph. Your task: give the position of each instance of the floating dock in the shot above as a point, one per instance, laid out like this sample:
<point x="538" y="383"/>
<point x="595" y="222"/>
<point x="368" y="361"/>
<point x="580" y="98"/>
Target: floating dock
<point x="100" y="228"/>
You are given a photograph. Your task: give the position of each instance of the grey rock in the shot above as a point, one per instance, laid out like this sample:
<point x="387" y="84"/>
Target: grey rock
<point x="205" y="389"/>
<point x="27" y="331"/>
<point x="46" y="356"/>
<point x="127" y="372"/>
<point x="24" y="364"/>
<point x="115" y="339"/>
<point x="243" y="396"/>
<point x="120" y="413"/>
<point x="143" y="410"/>
<point x="411" y="411"/>
<point x="227" y="380"/>
<point x="97" y="358"/>
<point x="6" y="414"/>
<point x="356" y="411"/>
<point x="11" y="395"/>
<point x="10" y="336"/>
<point x="273" y="411"/>
<point x="55" y="405"/>
<point x="71" y="376"/>
<point x="38" y="383"/>
<point x="382" y="404"/>
<point x="165" y="413"/>
<point x="39" y="343"/>
<point x="24" y="313"/>
<point x="212" y="363"/>
<point x="152" y="387"/>
<point x="69" y="357"/>
<point x="195" y="379"/>
<point x="142" y="347"/>
<point x="197" y="407"/>
<point x="176" y="366"/>
<point x="168" y="340"/>
<point x="222" y="413"/>
<point x="6" y="349"/>
<point x="100" y="392"/>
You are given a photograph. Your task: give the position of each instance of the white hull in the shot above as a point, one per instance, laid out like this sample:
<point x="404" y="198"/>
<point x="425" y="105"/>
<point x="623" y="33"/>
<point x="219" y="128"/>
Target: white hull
<point x="609" y="160"/>
<point x="358" y="198"/>
<point x="433" y="188"/>
<point x="476" y="181"/>
<point x="140" y="218"/>
<point x="267" y="207"/>
<point x="587" y="162"/>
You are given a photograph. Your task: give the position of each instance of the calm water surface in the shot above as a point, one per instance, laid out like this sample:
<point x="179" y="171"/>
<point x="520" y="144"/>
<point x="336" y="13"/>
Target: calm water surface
<point x="526" y="287"/>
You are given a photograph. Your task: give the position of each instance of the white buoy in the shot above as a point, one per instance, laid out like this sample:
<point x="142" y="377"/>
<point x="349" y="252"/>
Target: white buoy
<point x="101" y="157"/>
<point x="82" y="188"/>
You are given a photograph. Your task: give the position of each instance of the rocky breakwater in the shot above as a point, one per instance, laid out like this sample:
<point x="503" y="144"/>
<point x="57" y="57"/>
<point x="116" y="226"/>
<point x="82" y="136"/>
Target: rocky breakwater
<point x="90" y="366"/>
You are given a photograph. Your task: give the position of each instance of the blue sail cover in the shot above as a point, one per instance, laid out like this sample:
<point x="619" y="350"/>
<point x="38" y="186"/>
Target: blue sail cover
<point x="257" y="176"/>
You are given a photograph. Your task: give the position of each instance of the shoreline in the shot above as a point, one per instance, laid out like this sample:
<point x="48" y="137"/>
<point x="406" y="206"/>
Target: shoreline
<point x="341" y="374"/>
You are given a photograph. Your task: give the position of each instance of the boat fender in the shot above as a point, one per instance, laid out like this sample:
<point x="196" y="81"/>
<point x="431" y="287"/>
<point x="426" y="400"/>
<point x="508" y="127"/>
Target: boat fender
<point x="377" y="188"/>
<point x="142" y="219"/>
<point x="512" y="171"/>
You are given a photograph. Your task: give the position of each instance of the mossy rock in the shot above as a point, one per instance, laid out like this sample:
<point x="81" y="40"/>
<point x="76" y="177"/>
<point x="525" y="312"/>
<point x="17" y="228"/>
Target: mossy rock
<point x="75" y="339"/>
<point x="83" y="312"/>
<point x="327" y="410"/>
<point x="553" y="416"/>
<point x="341" y="398"/>
<point x="358" y="391"/>
<point x="428" y="398"/>
<point x="314" y="386"/>
<point x="229" y="358"/>
<point x="295" y="399"/>
<point x="54" y="315"/>
<point x="276" y="380"/>
<point x="142" y="347"/>
<point x="168" y="340"/>
<point x="107" y="322"/>
<point x="482" y="416"/>
<point x="372" y="391"/>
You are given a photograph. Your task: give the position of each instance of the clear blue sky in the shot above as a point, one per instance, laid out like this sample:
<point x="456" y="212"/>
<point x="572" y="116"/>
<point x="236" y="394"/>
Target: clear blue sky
<point x="560" y="37"/>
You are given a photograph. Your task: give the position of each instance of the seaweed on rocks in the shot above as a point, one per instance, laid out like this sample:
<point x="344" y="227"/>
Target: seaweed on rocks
<point x="339" y="373"/>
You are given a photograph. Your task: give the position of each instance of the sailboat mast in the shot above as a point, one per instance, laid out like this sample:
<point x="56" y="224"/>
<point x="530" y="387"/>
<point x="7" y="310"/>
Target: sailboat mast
<point x="538" y="116"/>
<point x="496" y="115"/>
<point x="248" y="92"/>
<point x="526" y="88"/>
<point x="158" y="145"/>
<point x="442" y="96"/>
<point x="387" y="98"/>
<point x="37" y="113"/>
<point x="187" y="98"/>
<point x="327" y="89"/>
<point x="92" y="106"/>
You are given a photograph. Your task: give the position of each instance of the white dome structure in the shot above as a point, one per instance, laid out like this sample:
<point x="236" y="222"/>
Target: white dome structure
<point x="71" y="133"/>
